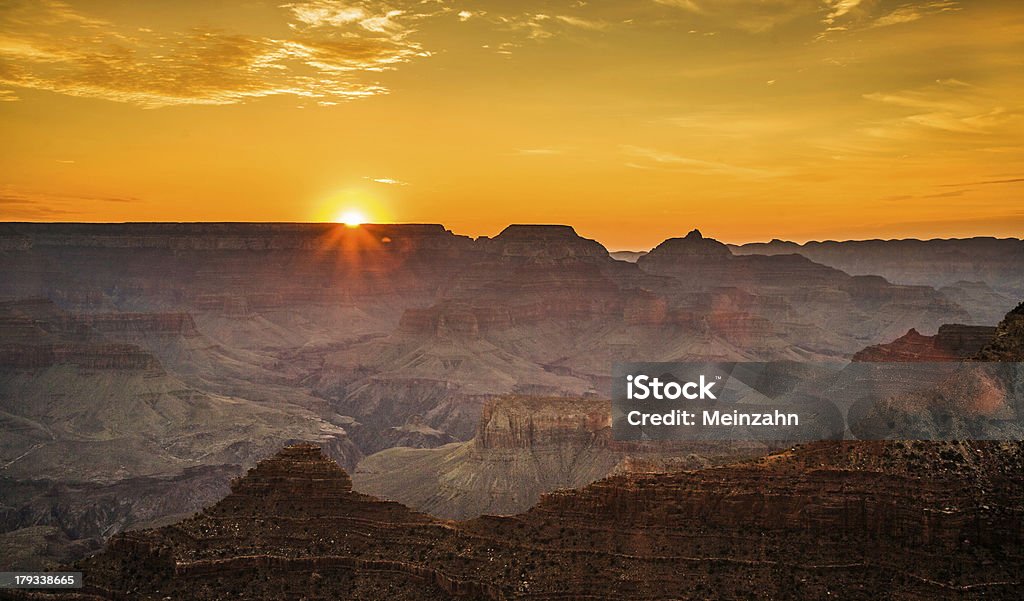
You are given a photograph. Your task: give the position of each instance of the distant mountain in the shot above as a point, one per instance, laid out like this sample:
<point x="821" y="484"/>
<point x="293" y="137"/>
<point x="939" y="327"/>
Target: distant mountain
<point x="629" y="256"/>
<point x="997" y="263"/>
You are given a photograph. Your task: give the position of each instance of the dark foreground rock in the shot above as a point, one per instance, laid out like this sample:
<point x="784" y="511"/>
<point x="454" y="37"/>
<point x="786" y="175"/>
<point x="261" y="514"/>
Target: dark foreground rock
<point x="844" y="520"/>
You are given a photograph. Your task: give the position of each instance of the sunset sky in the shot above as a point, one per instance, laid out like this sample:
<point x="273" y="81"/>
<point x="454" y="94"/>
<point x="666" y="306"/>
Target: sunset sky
<point x="632" y="120"/>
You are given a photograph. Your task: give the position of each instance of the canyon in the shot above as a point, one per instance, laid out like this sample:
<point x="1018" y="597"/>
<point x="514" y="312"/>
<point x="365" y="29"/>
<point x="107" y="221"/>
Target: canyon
<point x="434" y="367"/>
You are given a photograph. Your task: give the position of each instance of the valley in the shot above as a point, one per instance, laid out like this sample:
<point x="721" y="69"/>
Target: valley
<point x="460" y="376"/>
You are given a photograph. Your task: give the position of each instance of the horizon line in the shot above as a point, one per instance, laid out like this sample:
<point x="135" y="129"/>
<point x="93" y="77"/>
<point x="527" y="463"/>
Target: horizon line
<point x="452" y="231"/>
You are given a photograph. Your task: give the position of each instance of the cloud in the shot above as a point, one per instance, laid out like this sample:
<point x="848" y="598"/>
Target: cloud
<point x="858" y="15"/>
<point x="539" y="151"/>
<point x="751" y="16"/>
<point x="948" y="106"/>
<point x="539" y="26"/>
<point x="913" y="12"/>
<point x="21" y="203"/>
<point x="689" y="5"/>
<point x="1004" y="221"/>
<point x="387" y="181"/>
<point x="1015" y="180"/>
<point x="582" y="23"/>
<point x="839" y="8"/>
<point x="334" y="53"/>
<point x="654" y="158"/>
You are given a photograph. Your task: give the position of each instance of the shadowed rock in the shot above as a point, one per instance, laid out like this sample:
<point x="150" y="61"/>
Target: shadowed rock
<point x="916" y="521"/>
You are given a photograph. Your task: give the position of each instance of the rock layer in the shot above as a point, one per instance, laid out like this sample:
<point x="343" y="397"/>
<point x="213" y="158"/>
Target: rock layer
<point x="829" y="519"/>
<point x="951" y="343"/>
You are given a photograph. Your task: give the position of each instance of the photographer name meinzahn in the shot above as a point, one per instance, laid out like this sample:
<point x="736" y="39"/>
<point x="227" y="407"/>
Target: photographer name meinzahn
<point x="681" y="417"/>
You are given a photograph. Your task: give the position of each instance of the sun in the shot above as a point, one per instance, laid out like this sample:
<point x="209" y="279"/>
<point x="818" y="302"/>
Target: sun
<point x="352" y="217"/>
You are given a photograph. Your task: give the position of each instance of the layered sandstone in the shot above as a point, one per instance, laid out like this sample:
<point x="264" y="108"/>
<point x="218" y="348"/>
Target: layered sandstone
<point x="108" y="356"/>
<point x="1008" y="342"/>
<point x="952" y="343"/>
<point x="139" y="324"/>
<point x="829" y="519"/>
<point x="525" y="447"/>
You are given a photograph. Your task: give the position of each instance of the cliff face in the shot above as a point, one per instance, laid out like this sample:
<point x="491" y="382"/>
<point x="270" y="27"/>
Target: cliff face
<point x="955" y="342"/>
<point x="820" y="520"/>
<point x="139" y="324"/>
<point x="525" y="447"/>
<point x="231" y="269"/>
<point x="530" y="423"/>
<point x="951" y="343"/>
<point x="109" y="356"/>
<point x="1008" y="343"/>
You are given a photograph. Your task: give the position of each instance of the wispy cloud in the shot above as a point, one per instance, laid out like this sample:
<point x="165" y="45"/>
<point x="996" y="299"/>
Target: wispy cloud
<point x="583" y="23"/>
<point x="839" y="8"/>
<point x="950" y="106"/>
<point x="751" y="16"/>
<point x="22" y="203"/>
<point x="387" y="181"/>
<point x="913" y="12"/>
<point x="538" y="152"/>
<point x="1014" y="180"/>
<point x="652" y="159"/>
<point x="690" y="5"/>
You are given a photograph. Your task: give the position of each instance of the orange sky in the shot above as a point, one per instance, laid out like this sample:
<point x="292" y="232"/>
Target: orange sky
<point x="633" y="120"/>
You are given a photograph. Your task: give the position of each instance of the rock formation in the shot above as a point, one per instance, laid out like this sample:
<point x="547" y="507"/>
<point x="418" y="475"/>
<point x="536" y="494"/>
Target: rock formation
<point x="902" y="519"/>
<point x="1008" y="342"/>
<point x="95" y="430"/>
<point x="143" y="350"/>
<point x="951" y="343"/>
<point x="525" y="447"/>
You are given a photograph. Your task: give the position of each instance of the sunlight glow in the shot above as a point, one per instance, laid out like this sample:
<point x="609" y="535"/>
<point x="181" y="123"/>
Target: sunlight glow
<point x="352" y="218"/>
